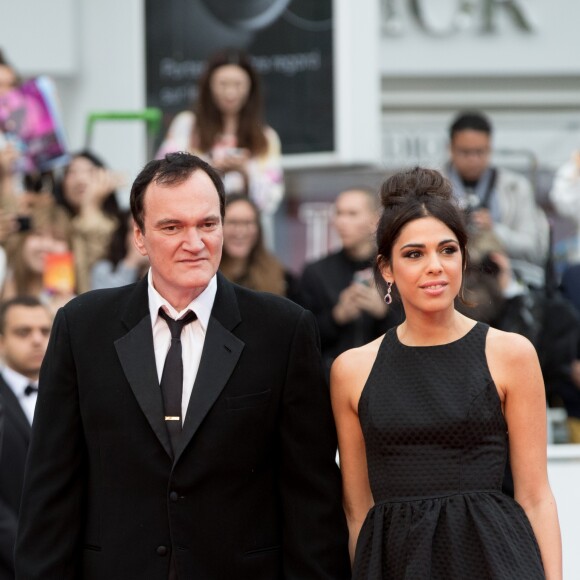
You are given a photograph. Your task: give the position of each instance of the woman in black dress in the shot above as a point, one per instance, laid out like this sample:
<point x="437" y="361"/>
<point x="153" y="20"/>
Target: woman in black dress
<point x="423" y="415"/>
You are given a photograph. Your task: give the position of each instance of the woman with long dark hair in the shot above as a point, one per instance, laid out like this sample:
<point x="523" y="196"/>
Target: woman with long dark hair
<point x="226" y="127"/>
<point x="87" y="194"/>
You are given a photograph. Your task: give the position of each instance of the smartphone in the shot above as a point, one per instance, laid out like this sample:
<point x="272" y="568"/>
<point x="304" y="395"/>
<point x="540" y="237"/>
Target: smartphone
<point x="23" y="223"/>
<point x="363" y="276"/>
<point x="59" y="273"/>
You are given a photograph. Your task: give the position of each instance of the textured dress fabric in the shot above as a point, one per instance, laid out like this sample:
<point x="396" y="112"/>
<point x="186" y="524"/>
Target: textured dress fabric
<point x="436" y="443"/>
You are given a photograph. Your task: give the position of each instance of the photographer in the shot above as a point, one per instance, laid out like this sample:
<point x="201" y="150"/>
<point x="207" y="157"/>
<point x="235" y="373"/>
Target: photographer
<point x="500" y="203"/>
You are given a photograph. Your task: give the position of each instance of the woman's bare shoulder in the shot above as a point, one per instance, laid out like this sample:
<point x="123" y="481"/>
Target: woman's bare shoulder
<point x="352" y="367"/>
<point x="512" y="360"/>
<point x="349" y="374"/>
<point x="509" y="347"/>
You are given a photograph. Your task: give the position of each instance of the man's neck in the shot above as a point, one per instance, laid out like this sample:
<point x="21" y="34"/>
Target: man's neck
<point x="32" y="376"/>
<point x="361" y="252"/>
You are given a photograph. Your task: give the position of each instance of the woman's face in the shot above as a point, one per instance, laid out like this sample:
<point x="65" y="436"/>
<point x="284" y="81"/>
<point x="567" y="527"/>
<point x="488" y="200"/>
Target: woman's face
<point x="37" y="245"/>
<point x="240" y="229"/>
<point x="426" y="266"/>
<point x="76" y="179"/>
<point x="230" y="86"/>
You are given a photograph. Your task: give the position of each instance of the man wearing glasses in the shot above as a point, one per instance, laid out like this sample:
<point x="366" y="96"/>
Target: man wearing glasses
<point x="499" y="202"/>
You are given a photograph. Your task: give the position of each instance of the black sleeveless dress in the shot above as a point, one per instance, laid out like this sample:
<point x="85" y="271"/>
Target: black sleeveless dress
<point x="436" y="444"/>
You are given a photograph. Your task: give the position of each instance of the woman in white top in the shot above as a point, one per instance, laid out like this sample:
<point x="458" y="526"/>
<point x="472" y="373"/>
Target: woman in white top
<point x="227" y="129"/>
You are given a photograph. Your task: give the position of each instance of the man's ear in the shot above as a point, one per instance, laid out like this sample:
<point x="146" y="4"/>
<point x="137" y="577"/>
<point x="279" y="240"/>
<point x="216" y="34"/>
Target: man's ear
<point x="139" y="240"/>
<point x="385" y="269"/>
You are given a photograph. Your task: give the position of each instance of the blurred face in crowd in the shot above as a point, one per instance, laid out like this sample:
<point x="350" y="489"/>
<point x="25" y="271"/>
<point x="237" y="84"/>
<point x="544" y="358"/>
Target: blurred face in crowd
<point x="7" y="79"/>
<point x="182" y="235"/>
<point x="240" y="229"/>
<point x="76" y="179"/>
<point x="38" y="244"/>
<point x="230" y="86"/>
<point x="25" y="338"/>
<point x="355" y="220"/>
<point x="470" y="153"/>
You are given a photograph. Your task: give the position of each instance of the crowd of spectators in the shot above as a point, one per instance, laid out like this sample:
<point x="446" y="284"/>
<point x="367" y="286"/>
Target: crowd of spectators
<point x="74" y="213"/>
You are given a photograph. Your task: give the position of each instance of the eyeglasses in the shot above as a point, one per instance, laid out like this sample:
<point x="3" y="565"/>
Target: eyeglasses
<point x="484" y="152"/>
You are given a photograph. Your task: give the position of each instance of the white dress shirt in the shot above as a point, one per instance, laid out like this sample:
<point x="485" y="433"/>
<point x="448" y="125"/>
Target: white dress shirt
<point x="18" y="384"/>
<point x="192" y="336"/>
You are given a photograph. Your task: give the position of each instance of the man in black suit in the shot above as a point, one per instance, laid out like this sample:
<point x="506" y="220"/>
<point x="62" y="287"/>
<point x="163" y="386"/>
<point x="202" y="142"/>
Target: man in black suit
<point x="235" y="480"/>
<point x="24" y="329"/>
<point x="339" y="288"/>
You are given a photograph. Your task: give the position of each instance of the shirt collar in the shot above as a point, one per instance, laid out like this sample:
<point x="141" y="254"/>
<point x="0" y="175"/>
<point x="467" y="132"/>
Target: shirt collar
<point x="16" y="381"/>
<point x="202" y="305"/>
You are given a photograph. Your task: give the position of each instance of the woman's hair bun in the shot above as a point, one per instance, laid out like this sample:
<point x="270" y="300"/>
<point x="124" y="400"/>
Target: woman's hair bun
<point x="417" y="183"/>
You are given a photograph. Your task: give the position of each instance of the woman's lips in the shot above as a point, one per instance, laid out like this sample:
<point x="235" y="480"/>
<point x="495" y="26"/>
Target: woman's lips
<point x="434" y="288"/>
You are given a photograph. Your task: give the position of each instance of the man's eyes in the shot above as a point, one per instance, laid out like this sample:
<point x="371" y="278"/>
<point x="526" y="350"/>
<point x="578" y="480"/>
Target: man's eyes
<point x="176" y="227"/>
<point x="210" y="225"/>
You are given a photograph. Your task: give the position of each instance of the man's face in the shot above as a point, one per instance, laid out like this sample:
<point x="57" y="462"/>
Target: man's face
<point x="25" y="338"/>
<point x="182" y="236"/>
<point x="470" y="153"/>
<point x="355" y="219"/>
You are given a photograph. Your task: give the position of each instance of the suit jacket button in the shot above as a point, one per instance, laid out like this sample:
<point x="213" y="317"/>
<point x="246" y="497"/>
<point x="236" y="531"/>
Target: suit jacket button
<point x="162" y="550"/>
<point x="173" y="496"/>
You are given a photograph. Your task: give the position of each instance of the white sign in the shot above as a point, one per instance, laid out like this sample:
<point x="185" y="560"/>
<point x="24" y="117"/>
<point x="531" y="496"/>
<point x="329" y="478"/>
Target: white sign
<point x="479" y="37"/>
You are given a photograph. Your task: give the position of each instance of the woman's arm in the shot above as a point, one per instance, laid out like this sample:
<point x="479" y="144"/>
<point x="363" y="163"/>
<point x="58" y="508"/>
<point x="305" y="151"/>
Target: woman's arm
<point x="347" y="378"/>
<point x="265" y="175"/>
<point x="8" y="195"/>
<point x="516" y="371"/>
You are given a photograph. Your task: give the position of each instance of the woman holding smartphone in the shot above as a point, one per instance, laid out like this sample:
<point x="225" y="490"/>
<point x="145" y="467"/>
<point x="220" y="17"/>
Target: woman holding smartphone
<point x="226" y="127"/>
<point x="40" y="259"/>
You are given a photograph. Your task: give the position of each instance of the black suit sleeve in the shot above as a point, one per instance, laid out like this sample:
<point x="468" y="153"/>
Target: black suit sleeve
<point x="7" y="523"/>
<point x="315" y="533"/>
<point x="51" y="517"/>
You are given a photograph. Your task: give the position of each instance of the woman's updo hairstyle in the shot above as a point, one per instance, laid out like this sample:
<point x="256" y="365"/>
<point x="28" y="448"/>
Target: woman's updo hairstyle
<point x="409" y="195"/>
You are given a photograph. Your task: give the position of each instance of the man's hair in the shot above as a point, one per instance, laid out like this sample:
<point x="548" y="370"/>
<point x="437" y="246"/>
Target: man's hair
<point x="173" y="169"/>
<point x="470" y="121"/>
<point x="28" y="301"/>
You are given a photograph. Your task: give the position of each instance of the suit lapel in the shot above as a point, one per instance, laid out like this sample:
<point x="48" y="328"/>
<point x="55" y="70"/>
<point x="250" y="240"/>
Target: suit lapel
<point x="137" y="356"/>
<point x="14" y="410"/>
<point x="221" y="352"/>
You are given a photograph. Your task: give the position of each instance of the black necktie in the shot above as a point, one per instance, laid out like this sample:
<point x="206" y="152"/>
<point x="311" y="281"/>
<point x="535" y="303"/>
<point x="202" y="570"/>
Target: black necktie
<point x="172" y="377"/>
<point x="30" y="389"/>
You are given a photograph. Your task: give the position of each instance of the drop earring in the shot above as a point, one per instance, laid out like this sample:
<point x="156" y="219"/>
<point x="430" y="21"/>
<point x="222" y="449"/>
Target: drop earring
<point x="388" y="298"/>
